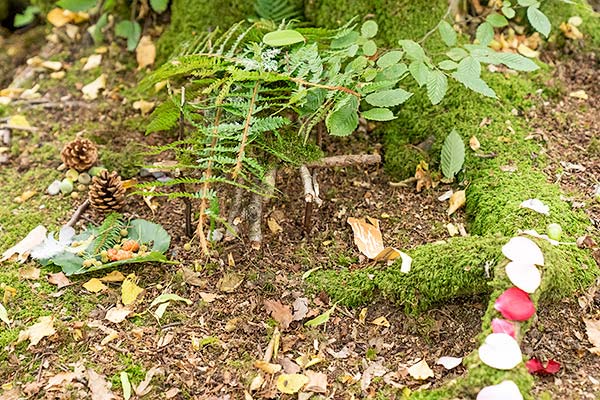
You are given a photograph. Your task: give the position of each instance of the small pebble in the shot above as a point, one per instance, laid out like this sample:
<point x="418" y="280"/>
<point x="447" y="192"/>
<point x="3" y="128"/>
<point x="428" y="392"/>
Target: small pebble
<point x="84" y="178"/>
<point x="66" y="186"/>
<point x="158" y="174"/>
<point x="144" y="172"/>
<point x="165" y="179"/>
<point x="54" y="188"/>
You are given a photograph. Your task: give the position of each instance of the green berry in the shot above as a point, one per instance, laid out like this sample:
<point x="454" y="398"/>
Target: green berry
<point x="554" y="231"/>
<point x="187" y="246"/>
<point x="66" y="186"/>
<point x="124" y="232"/>
<point x="72" y="174"/>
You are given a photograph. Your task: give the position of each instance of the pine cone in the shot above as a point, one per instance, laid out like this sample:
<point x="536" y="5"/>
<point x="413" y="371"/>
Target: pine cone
<point x="79" y="154"/>
<point x="107" y="192"/>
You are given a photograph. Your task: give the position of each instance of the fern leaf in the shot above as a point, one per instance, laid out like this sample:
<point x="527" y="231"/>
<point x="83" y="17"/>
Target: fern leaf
<point x="164" y="117"/>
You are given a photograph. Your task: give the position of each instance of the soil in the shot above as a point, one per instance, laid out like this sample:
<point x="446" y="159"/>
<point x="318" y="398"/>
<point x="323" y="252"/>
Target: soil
<point x="206" y="350"/>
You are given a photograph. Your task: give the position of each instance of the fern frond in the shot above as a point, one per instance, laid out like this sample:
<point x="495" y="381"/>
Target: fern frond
<point x="108" y="233"/>
<point x="278" y="10"/>
<point x="164" y="117"/>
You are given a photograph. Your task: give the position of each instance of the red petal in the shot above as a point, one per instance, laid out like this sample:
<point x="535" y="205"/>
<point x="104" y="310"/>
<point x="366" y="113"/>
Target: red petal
<point x="552" y="367"/>
<point x="534" y="366"/>
<point x="500" y="325"/>
<point x="515" y="304"/>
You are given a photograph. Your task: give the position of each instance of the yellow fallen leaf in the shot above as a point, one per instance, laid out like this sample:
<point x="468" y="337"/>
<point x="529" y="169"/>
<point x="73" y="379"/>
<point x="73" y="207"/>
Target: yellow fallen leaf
<point x="362" y="316"/>
<point x="109" y="338"/>
<point x="130" y="290"/>
<point x="38" y="331"/>
<point x="12" y="92"/>
<point x="381" y="321"/>
<point x="291" y="383"/>
<point x="452" y="229"/>
<point x="571" y="31"/>
<point x="114" y="276"/>
<point x="420" y="371"/>
<point x="527" y="52"/>
<point x="306" y="361"/>
<point x="457" y="200"/>
<point x="143" y="106"/>
<point x="474" y="143"/>
<point x="579" y="94"/>
<point x="59" y="17"/>
<point x="18" y="121"/>
<point x="9" y="293"/>
<point x="158" y="86"/>
<point x="274" y="226"/>
<point x="267" y="367"/>
<point x="94" y="285"/>
<point x="26" y="195"/>
<point x="91" y="90"/>
<point x="145" y="53"/>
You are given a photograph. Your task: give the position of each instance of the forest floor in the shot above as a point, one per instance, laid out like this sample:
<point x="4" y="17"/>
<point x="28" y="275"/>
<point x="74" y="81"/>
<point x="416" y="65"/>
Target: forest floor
<point x="209" y="348"/>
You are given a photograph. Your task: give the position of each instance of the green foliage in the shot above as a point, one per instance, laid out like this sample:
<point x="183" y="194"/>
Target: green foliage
<point x="76" y="5"/>
<point x="164" y="117"/>
<point x="106" y="235"/>
<point x="278" y="10"/>
<point x="26" y="17"/>
<point x="159" y="6"/>
<point x="281" y="38"/>
<point x="453" y="154"/>
<point x="130" y="30"/>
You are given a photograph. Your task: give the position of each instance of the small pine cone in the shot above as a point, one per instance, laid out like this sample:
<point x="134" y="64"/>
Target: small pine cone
<point x="107" y="192"/>
<point x="79" y="154"/>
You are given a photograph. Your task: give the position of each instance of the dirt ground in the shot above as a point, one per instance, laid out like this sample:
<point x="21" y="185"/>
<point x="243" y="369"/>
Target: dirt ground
<point x="206" y="350"/>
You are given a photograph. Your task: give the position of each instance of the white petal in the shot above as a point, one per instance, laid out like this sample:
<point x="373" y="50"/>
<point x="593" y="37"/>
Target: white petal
<point x="506" y="390"/>
<point x="536" y="205"/>
<point x="523" y="250"/>
<point x="524" y="276"/>
<point x="66" y="235"/>
<point x="449" y="362"/>
<point x="500" y="351"/>
<point x="406" y="262"/>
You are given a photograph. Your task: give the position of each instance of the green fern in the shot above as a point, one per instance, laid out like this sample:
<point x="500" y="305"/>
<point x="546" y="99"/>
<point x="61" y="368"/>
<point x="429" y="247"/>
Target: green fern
<point x="279" y="10"/>
<point x="107" y="234"/>
<point x="164" y="117"/>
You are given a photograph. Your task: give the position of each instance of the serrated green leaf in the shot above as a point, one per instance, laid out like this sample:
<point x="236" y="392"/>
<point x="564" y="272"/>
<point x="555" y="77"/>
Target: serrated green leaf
<point x="389" y="59"/>
<point x="369" y="48"/>
<point x="539" y="21"/>
<point x="419" y="71"/>
<point x="131" y="31"/>
<point x="470" y="67"/>
<point x="485" y="33"/>
<point x="378" y="114"/>
<point x="388" y="98"/>
<point x="169" y="297"/>
<point x="320" y="319"/>
<point x="453" y="154"/>
<point x="457" y="53"/>
<point x="343" y="119"/>
<point x="394" y="72"/>
<point x="475" y="83"/>
<point x="369" y="29"/>
<point x="437" y="85"/>
<point x="516" y="61"/>
<point x="76" y="5"/>
<point x="497" y="20"/>
<point x="509" y="12"/>
<point x="148" y="232"/>
<point x="284" y="37"/>
<point x="159" y="6"/>
<point x="448" y="65"/>
<point x="447" y="33"/>
<point x="413" y="50"/>
<point x="345" y="41"/>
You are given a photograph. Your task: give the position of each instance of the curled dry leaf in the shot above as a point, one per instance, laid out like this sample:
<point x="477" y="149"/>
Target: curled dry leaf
<point x="500" y="351"/>
<point x="317" y="382"/>
<point x="92" y="89"/>
<point x="524" y="276"/>
<point x="515" y="304"/>
<point x="144" y="387"/>
<point x="592" y="328"/>
<point x="457" y="201"/>
<point x="280" y="313"/>
<point x="92" y="62"/>
<point x="369" y="241"/>
<point x="230" y="282"/>
<point x="267" y="367"/>
<point x="143" y="106"/>
<point x="145" y="53"/>
<point x="421" y="371"/>
<point x="381" y="321"/>
<point x="300" y="308"/>
<point x="506" y="390"/>
<point x="43" y="328"/>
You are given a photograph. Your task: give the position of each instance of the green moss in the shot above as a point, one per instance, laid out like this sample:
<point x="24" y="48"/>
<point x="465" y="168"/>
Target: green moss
<point x="127" y="161"/>
<point x="561" y="11"/>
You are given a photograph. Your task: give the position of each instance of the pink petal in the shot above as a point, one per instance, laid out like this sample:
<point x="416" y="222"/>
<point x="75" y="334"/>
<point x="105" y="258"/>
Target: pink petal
<point x="535" y="366"/>
<point x="515" y="304"/>
<point x="500" y="325"/>
<point x="552" y="367"/>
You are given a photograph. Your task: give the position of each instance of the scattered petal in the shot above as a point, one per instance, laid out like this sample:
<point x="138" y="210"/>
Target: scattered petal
<point x="523" y="250"/>
<point x="449" y="362"/>
<point x="500" y="325"/>
<point x="536" y="205"/>
<point x="535" y="366"/>
<point x="524" y="276"/>
<point x="506" y="390"/>
<point x="515" y="304"/>
<point x="500" y="351"/>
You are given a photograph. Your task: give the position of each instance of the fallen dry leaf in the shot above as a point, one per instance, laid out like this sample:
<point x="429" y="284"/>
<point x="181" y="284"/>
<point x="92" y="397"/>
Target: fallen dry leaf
<point x="92" y="62"/>
<point x="579" y="94"/>
<point x="144" y="387"/>
<point x="92" y="89"/>
<point x="280" y="313"/>
<point x="145" y="53"/>
<point x="571" y="31"/>
<point x="130" y="290"/>
<point x="99" y="387"/>
<point x="18" y="121"/>
<point x="64" y="378"/>
<point x="300" y="308"/>
<point x="526" y="51"/>
<point x="117" y="314"/>
<point x="423" y="177"/>
<point x="274" y="226"/>
<point x="474" y="143"/>
<point x="420" y="371"/>
<point x="367" y="236"/>
<point x="230" y="282"/>
<point x="59" y="279"/>
<point x="114" y="276"/>
<point x="192" y="277"/>
<point x="317" y="382"/>
<point x="143" y="106"/>
<point x="94" y="285"/>
<point x="43" y="328"/>
<point x="24" y="247"/>
<point x="31" y="273"/>
<point x="59" y="17"/>
<point x="26" y="195"/>
<point x="381" y="321"/>
<point x="457" y="200"/>
<point x="209" y="297"/>
<point x="267" y="367"/>
<point x="291" y="383"/>
<point x="592" y="328"/>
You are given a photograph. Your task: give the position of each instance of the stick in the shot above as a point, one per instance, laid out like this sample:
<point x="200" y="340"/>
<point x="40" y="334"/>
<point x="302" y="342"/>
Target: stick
<point x="405" y="183"/>
<point x="75" y="217"/>
<point x="255" y="210"/>
<point x="309" y="192"/>
<point x="234" y="212"/>
<point x="346" y="161"/>
<point x="311" y="196"/>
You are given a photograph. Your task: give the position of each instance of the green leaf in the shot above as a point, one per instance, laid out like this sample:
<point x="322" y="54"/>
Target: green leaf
<point x="396" y="71"/>
<point x="320" y="319"/>
<point x="475" y="83"/>
<point x="497" y="20"/>
<point x="378" y="114"/>
<point x="345" y="41"/>
<point x="516" y="62"/>
<point x="26" y="17"/>
<point x="469" y="66"/>
<point x="343" y="119"/>
<point x="369" y="48"/>
<point x="509" y="12"/>
<point x="437" y="85"/>
<point x="527" y="3"/>
<point x="447" y="33"/>
<point x="539" y="21"/>
<point x="147" y="232"/>
<point x="485" y="33"/>
<point x="389" y="59"/>
<point x="76" y="5"/>
<point x="97" y="34"/>
<point x="369" y="29"/>
<point x="169" y="297"/>
<point x="284" y="37"/>
<point x="159" y="6"/>
<point x="448" y="65"/>
<point x="457" y="53"/>
<point x="388" y="98"/>
<point x="419" y="71"/>
<point x="453" y="154"/>
<point x="413" y="50"/>
<point x="131" y="31"/>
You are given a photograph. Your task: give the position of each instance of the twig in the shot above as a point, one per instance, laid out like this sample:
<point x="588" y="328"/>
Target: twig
<point x="186" y="200"/>
<point x="80" y="210"/>
<point x="405" y="183"/>
<point x="345" y="161"/>
<point x="255" y="210"/>
<point x="446" y="14"/>
<point x="311" y="196"/>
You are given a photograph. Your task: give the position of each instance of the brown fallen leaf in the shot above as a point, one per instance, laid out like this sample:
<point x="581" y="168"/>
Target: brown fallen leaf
<point x="31" y="273"/>
<point x="59" y="279"/>
<point x="592" y="328"/>
<point x="43" y="328"/>
<point x="267" y="367"/>
<point x="64" y="378"/>
<point x="457" y="200"/>
<point x="317" y="382"/>
<point x="300" y="308"/>
<point x="420" y="371"/>
<point x="209" y="297"/>
<point x="230" y="282"/>
<point x="474" y="143"/>
<point x="145" y="53"/>
<point x="117" y="314"/>
<point x="99" y="387"/>
<point x="192" y="277"/>
<point x="280" y="313"/>
<point x="144" y="387"/>
<point x="423" y="177"/>
<point x="367" y="236"/>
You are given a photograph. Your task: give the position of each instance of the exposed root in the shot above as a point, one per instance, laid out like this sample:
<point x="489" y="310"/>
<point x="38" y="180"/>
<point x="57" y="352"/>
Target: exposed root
<point x="346" y="161"/>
